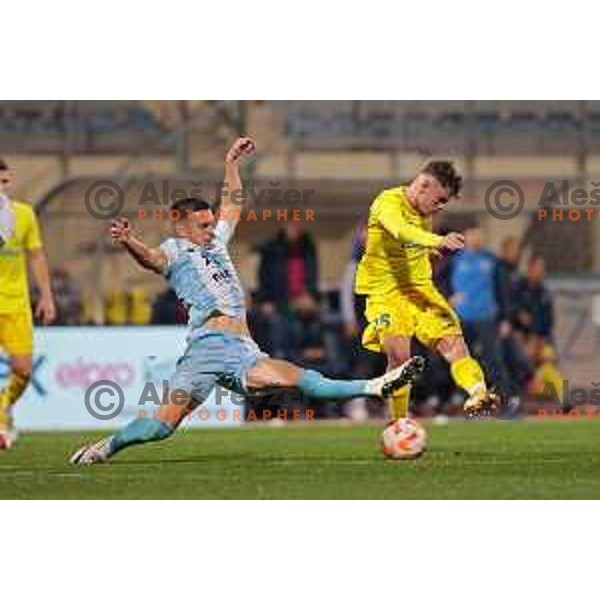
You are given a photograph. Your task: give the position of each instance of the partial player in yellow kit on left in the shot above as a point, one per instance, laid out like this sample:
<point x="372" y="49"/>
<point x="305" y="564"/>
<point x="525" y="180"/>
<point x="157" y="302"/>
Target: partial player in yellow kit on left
<point x="20" y="243"/>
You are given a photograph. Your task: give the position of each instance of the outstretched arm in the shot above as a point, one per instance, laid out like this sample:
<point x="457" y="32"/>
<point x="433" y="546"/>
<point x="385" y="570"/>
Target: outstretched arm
<point x="393" y="222"/>
<point x="241" y="149"/>
<point x="152" y="259"/>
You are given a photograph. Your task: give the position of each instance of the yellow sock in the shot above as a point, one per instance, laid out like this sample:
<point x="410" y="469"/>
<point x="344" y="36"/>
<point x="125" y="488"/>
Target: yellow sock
<point x="548" y="373"/>
<point x="5" y="420"/>
<point x="9" y="395"/>
<point x="399" y="403"/>
<point x="468" y="374"/>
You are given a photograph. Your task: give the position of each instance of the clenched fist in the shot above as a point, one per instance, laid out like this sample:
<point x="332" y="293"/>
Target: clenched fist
<point x="241" y="149"/>
<point x="120" y="230"/>
<point x="453" y="241"/>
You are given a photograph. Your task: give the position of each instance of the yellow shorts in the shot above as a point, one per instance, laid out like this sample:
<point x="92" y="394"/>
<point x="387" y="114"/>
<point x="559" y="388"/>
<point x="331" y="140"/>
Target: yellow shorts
<point x="16" y="333"/>
<point x="420" y="311"/>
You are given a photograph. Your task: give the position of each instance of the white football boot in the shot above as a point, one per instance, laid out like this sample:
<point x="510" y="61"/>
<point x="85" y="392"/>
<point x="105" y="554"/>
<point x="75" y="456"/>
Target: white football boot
<point x="406" y="374"/>
<point x="90" y="454"/>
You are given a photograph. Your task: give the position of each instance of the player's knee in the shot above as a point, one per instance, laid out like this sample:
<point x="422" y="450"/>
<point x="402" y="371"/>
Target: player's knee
<point x="22" y="369"/>
<point x="452" y="348"/>
<point x="271" y="373"/>
<point x="396" y="355"/>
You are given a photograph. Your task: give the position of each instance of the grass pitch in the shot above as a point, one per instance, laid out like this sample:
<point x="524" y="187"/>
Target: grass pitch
<point x="501" y="459"/>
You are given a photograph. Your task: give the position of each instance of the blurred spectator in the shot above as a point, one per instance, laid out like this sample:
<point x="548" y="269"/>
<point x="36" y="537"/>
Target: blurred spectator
<point x="67" y="297"/>
<point x="140" y="309"/>
<point x="168" y="310"/>
<point x="288" y="266"/>
<point x="363" y="364"/>
<point x="300" y="337"/>
<point x="507" y="291"/>
<point x="350" y="303"/>
<point x="535" y="319"/>
<point x="306" y="345"/>
<point x="507" y="282"/>
<point x="534" y="304"/>
<point x="266" y="326"/>
<point x="164" y="308"/>
<point x="440" y="265"/>
<point x="92" y="312"/>
<point x="117" y="308"/>
<point x="473" y="283"/>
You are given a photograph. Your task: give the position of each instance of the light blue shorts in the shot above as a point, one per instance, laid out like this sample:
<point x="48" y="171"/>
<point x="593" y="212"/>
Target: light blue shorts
<point x="215" y="357"/>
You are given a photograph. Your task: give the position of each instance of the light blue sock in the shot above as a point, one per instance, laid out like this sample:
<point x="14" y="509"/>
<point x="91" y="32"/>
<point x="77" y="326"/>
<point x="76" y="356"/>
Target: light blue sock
<point x="140" y="431"/>
<point x="315" y="385"/>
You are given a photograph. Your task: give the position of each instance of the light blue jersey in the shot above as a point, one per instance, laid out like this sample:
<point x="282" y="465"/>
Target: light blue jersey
<point x="204" y="278"/>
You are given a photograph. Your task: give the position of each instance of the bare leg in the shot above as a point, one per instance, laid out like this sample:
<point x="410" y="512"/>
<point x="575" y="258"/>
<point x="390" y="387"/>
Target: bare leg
<point x="271" y="373"/>
<point x="178" y="406"/>
<point x="20" y="375"/>
<point x="397" y="350"/>
<point x="452" y="348"/>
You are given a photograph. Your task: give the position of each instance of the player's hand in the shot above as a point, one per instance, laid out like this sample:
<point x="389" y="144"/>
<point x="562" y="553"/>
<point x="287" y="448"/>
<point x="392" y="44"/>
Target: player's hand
<point x="45" y="310"/>
<point x="453" y="241"/>
<point x="241" y="149"/>
<point x="120" y="230"/>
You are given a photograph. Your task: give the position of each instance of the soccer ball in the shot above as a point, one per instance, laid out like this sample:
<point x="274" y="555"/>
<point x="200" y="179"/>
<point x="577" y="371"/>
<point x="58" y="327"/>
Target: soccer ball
<point x="404" y="439"/>
<point x="6" y="440"/>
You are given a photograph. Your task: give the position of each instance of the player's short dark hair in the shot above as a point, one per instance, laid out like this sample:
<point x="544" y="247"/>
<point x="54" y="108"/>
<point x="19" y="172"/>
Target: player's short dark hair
<point x="187" y="205"/>
<point x="446" y="174"/>
<point x="3" y="165"/>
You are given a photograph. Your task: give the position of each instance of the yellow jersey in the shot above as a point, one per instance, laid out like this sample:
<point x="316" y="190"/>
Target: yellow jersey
<point x="14" y="287"/>
<point x="399" y="240"/>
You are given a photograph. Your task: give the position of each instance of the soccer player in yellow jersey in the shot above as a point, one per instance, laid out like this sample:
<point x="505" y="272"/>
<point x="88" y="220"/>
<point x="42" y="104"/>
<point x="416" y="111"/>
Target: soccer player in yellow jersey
<point x="20" y="242"/>
<point x="396" y="277"/>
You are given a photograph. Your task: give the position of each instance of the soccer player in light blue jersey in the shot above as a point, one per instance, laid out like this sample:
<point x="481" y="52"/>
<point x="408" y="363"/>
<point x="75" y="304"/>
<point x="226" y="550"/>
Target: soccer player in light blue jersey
<point x="220" y="351"/>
